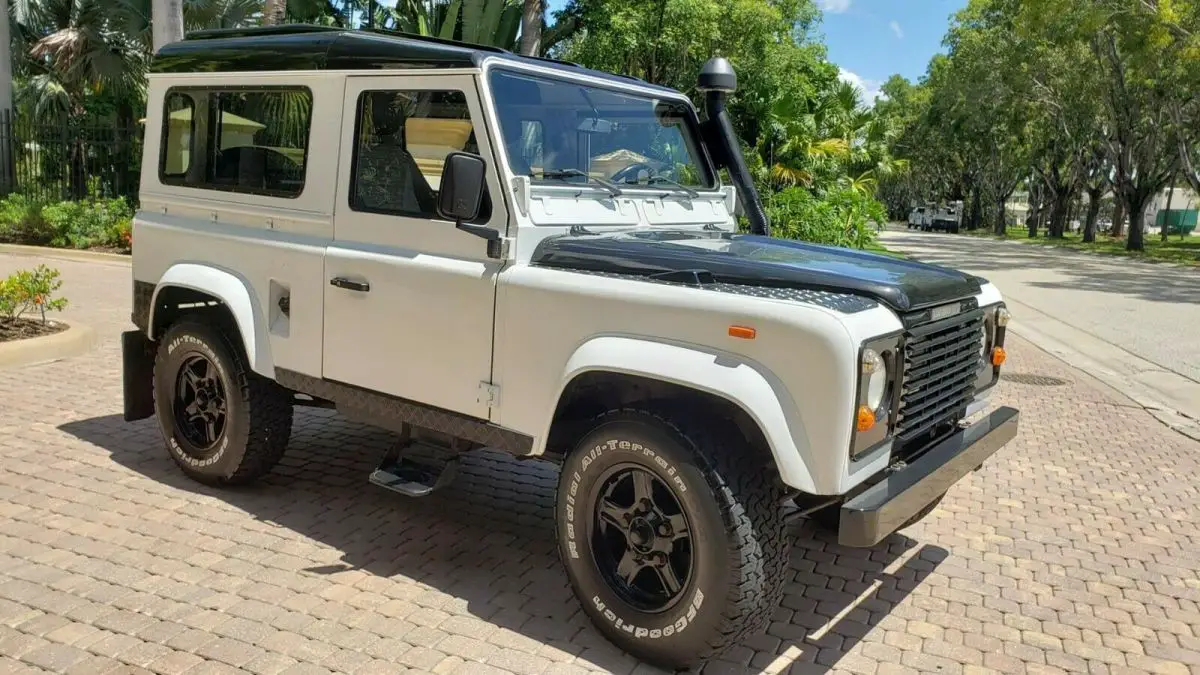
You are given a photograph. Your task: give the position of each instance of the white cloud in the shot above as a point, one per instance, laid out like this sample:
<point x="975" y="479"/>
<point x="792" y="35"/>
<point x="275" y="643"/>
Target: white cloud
<point x="834" y="6"/>
<point x="895" y="25"/>
<point x="869" y="88"/>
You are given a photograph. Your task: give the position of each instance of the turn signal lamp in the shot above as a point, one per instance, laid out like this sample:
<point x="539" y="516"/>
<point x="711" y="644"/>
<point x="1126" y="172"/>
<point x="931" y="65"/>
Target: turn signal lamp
<point x="998" y="356"/>
<point x="743" y="332"/>
<point x="866" y="419"/>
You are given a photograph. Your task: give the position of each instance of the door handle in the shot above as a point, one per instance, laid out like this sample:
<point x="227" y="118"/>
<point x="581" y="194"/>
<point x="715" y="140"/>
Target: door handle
<point x="342" y="282"/>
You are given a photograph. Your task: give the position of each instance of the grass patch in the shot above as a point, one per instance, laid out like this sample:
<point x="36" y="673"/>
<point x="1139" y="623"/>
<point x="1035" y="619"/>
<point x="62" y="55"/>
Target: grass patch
<point x="1184" y="251"/>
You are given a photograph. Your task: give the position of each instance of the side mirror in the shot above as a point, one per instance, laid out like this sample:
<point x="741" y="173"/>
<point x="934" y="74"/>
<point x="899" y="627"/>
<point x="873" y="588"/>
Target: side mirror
<point x="461" y="197"/>
<point x="461" y="193"/>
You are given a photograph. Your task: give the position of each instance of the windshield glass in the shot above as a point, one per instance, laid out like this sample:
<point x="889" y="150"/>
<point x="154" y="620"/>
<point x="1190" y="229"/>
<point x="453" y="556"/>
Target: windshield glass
<point x="557" y="130"/>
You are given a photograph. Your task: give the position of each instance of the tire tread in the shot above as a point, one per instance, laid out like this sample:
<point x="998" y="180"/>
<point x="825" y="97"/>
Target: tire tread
<point x="269" y="411"/>
<point x="750" y="499"/>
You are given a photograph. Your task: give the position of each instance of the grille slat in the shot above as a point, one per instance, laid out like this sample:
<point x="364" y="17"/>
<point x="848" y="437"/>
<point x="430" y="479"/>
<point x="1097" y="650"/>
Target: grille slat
<point x="940" y="362"/>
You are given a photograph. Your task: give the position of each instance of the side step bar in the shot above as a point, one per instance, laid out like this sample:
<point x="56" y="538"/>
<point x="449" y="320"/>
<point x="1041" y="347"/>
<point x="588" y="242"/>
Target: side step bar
<point x="413" y="477"/>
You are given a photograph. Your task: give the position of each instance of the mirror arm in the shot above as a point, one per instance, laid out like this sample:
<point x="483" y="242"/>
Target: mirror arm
<point x="479" y="230"/>
<point x="495" y="247"/>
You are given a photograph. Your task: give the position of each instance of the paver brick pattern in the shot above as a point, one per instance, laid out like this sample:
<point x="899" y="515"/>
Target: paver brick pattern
<point x="1076" y="549"/>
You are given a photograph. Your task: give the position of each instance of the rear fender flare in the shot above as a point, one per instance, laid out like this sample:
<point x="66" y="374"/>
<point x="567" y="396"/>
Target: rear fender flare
<point x="237" y="295"/>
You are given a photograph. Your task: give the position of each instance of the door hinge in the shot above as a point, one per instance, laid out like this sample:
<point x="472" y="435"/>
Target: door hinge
<point x="489" y="394"/>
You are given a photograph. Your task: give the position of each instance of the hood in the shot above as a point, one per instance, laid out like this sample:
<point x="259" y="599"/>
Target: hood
<point x="754" y="260"/>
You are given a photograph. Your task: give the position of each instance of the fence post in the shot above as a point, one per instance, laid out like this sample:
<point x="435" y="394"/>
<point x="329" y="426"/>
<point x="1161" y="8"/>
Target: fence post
<point x="7" y="166"/>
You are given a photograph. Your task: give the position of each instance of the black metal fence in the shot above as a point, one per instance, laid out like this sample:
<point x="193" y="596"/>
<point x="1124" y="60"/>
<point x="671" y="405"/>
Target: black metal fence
<point x="60" y="157"/>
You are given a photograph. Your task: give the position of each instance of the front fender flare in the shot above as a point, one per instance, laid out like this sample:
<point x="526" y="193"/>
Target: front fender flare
<point x="237" y="295"/>
<point x="734" y="378"/>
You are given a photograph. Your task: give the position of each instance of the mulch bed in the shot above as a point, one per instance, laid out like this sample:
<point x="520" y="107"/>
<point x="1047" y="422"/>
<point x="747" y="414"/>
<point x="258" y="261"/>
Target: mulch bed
<point x="22" y="329"/>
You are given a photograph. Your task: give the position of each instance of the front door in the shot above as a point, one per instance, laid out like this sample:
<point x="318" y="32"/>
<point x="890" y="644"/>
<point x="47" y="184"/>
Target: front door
<point x="409" y="299"/>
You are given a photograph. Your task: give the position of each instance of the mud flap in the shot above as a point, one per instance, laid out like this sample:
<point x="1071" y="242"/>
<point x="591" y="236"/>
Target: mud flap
<point x="137" y="374"/>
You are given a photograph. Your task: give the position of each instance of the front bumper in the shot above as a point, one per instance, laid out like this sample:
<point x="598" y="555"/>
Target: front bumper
<point x="872" y="515"/>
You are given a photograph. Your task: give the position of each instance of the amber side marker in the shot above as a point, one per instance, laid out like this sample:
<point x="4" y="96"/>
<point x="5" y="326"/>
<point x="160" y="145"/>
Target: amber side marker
<point x="866" y="418"/>
<point x="998" y="356"/>
<point x="743" y="332"/>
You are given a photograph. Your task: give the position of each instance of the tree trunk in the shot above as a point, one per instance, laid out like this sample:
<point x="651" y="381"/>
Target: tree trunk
<point x="532" y="20"/>
<point x="1093" y="212"/>
<point x="1136" y="204"/>
<point x="166" y="22"/>
<point x="976" y="211"/>
<point x="273" y="12"/>
<point x="1000" y="229"/>
<point x="1058" y="217"/>
<point x="1118" y="224"/>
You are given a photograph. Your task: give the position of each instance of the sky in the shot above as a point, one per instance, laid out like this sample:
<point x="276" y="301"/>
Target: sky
<point x="871" y="40"/>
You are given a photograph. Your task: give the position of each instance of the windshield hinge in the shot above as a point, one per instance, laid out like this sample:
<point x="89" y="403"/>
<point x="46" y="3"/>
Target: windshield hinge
<point x="489" y="394"/>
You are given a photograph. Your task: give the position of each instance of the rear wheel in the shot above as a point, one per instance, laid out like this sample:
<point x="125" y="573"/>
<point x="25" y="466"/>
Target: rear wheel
<point x="676" y="551"/>
<point x="223" y="424"/>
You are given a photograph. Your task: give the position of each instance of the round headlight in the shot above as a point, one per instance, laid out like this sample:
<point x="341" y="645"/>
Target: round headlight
<point x="875" y="368"/>
<point x="1002" y="316"/>
<point x="983" y="341"/>
<point x="876" y="388"/>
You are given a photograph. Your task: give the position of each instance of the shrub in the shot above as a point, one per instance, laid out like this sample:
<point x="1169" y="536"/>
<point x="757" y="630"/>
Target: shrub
<point x="86" y="224"/>
<point x="21" y="221"/>
<point x="30" y="291"/>
<point x="841" y="217"/>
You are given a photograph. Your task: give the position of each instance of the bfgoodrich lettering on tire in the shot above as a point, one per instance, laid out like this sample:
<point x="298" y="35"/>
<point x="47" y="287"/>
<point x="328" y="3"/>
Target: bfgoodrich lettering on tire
<point x="222" y="423"/>
<point x="671" y="534"/>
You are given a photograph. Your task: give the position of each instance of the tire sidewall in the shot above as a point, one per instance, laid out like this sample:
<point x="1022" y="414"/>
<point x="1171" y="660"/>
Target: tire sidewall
<point x="180" y="343"/>
<point x="680" y="631"/>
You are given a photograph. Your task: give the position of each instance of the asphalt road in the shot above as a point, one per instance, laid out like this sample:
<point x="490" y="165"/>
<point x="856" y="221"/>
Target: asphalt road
<point x="1139" y="319"/>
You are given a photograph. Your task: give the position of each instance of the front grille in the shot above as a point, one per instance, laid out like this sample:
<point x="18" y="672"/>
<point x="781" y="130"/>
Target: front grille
<point x="941" y="361"/>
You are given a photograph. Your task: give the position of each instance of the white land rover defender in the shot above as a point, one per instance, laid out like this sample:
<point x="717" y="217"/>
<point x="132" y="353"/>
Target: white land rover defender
<point x="476" y="249"/>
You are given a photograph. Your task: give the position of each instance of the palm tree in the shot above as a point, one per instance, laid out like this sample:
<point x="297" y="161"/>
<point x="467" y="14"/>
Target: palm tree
<point x="532" y="20"/>
<point x="274" y="12"/>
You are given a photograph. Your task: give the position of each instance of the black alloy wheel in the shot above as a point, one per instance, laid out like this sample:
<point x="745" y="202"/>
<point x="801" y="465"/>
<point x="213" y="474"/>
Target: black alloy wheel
<point x="641" y="538"/>
<point x="200" y="406"/>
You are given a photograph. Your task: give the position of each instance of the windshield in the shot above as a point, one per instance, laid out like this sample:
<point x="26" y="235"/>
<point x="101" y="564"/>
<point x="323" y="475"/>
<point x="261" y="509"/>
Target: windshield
<point x="557" y="130"/>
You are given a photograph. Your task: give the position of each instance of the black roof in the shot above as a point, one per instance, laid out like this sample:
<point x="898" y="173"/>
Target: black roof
<point x="306" y="47"/>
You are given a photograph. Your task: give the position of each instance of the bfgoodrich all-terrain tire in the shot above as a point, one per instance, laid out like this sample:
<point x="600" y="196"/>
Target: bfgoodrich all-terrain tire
<point x="672" y="535"/>
<point x="223" y="424"/>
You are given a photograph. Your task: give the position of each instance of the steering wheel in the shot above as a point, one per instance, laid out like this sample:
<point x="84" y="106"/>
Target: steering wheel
<point x="632" y="169"/>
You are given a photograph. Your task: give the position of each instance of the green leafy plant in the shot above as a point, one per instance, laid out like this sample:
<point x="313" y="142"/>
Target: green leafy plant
<point x="28" y="291"/>
<point x="21" y="221"/>
<point x="85" y="224"/>
<point x="841" y="217"/>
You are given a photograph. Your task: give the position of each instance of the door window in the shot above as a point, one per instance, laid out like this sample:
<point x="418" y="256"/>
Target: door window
<point x="402" y="139"/>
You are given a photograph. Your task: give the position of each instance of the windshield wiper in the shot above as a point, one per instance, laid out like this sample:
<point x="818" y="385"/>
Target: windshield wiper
<point x="663" y="179"/>
<point x="569" y="173"/>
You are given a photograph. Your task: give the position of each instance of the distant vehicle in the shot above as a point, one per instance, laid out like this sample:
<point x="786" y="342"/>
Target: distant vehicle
<point x="948" y="218"/>
<point x="919" y="217"/>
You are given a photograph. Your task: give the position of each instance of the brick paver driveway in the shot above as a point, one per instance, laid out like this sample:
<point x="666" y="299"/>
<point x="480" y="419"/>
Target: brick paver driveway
<point x="1075" y="549"/>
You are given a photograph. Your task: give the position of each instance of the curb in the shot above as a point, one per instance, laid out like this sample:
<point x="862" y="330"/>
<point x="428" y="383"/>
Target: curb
<point x="76" y="340"/>
<point x="66" y="254"/>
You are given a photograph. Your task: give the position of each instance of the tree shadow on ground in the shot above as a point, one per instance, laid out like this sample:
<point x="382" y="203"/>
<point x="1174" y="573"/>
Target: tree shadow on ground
<point x="487" y="540"/>
<point x="1156" y="282"/>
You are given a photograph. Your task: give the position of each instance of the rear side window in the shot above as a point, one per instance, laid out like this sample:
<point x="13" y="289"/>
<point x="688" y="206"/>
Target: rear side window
<point x="252" y="141"/>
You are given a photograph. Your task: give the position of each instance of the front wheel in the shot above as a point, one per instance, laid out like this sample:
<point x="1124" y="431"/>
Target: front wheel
<point x="672" y="537"/>
<point x="223" y="424"/>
